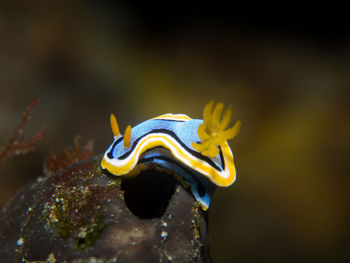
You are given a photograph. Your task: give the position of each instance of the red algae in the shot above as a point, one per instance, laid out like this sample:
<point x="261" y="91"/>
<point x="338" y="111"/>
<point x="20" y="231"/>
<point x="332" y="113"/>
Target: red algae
<point x="16" y="144"/>
<point x="58" y="161"/>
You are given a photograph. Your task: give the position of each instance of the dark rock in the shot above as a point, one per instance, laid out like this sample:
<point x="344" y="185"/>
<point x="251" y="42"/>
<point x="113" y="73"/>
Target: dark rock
<point x="82" y="215"/>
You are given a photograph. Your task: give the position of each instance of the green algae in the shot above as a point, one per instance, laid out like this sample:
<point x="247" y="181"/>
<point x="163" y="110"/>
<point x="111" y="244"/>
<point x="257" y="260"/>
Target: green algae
<point x="96" y="170"/>
<point x="70" y="214"/>
<point x="197" y="228"/>
<point x="197" y="225"/>
<point x="76" y="211"/>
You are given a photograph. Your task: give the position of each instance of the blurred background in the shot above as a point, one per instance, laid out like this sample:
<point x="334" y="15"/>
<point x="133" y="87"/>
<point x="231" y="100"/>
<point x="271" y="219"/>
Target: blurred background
<point x="285" y="72"/>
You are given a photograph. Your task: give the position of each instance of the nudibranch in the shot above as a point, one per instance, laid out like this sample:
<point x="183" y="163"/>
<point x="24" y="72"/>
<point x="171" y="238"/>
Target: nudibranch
<point x="195" y="150"/>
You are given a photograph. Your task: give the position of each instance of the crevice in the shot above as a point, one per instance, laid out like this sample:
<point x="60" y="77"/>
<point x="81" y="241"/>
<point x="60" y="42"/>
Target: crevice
<point x="148" y="194"/>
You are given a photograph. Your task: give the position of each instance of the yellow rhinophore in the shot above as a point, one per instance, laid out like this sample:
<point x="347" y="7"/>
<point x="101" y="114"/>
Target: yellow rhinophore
<point x="127" y="137"/>
<point x="114" y="125"/>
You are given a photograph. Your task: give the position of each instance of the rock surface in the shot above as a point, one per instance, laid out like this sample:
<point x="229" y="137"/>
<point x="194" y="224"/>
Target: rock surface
<point x="82" y="215"/>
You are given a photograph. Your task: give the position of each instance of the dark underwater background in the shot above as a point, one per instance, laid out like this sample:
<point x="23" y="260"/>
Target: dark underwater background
<point x="285" y="70"/>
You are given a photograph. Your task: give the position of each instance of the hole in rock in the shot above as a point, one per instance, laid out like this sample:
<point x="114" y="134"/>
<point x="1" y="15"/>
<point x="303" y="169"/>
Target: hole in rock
<point x="148" y="194"/>
<point x="81" y="242"/>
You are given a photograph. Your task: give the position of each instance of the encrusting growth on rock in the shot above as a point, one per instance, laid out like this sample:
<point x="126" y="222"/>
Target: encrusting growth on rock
<point x="80" y="214"/>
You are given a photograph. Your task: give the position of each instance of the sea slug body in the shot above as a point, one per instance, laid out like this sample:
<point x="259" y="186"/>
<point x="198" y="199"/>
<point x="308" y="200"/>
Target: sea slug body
<point x="194" y="149"/>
